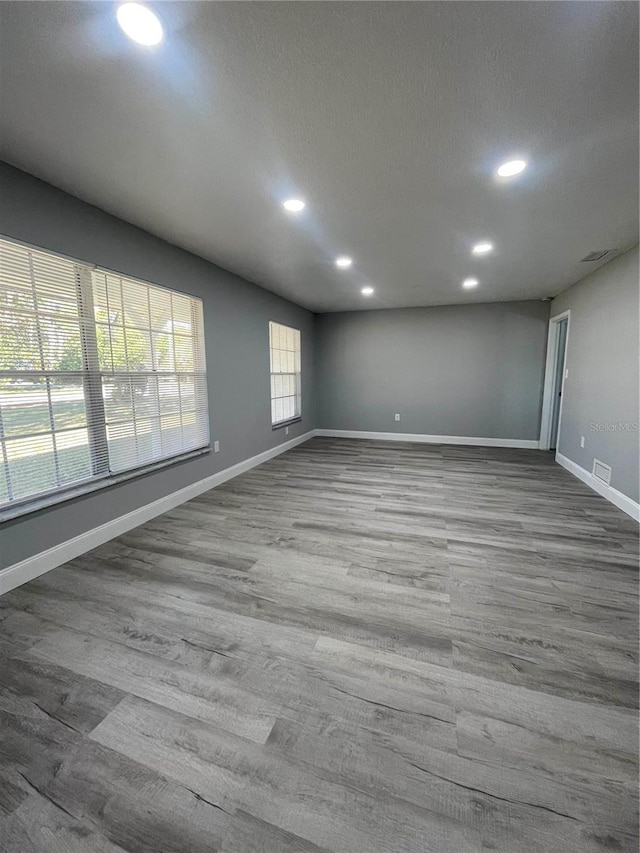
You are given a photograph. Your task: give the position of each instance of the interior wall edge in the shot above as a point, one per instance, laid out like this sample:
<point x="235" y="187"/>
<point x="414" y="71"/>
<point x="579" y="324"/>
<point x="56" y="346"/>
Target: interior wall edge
<point x="421" y="438"/>
<point x="600" y="393"/>
<point x="38" y="564"/>
<point x="236" y="323"/>
<point x="615" y="497"/>
<point x="462" y="370"/>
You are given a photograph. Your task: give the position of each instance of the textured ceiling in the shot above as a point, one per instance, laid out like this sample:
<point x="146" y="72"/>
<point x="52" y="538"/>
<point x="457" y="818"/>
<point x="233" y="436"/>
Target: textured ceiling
<point x="388" y="118"/>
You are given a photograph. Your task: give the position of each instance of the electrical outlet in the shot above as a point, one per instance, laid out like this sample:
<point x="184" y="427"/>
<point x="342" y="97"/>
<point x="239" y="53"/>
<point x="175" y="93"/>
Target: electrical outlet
<point x="581" y="441"/>
<point x="216" y="447"/>
<point x="397" y="416"/>
<point x="286" y="430"/>
<point x="566" y="373"/>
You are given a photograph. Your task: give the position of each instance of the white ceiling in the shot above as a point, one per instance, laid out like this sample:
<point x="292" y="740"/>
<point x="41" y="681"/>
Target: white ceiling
<point x="388" y="118"/>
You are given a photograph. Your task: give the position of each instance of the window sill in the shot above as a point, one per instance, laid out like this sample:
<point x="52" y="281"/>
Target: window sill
<point x="282" y="424"/>
<point x="19" y="509"/>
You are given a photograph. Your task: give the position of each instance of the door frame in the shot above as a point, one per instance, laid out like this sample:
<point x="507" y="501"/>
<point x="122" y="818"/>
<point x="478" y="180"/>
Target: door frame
<point x="549" y="377"/>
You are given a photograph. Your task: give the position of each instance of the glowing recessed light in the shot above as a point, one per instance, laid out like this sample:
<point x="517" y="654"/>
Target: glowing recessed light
<point x="294" y="205"/>
<point x="140" y="23"/>
<point x="482" y="248"/>
<point x="470" y="282"/>
<point x="343" y="262"/>
<point x="366" y="291"/>
<point x="511" y="168"/>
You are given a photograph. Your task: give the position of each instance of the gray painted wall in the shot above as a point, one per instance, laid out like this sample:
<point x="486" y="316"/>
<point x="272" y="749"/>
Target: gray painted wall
<point x="236" y="337"/>
<point x="469" y="370"/>
<point x="602" y="359"/>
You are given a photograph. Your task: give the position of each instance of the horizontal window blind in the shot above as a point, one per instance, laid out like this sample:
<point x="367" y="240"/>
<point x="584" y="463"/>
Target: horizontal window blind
<point x="99" y="374"/>
<point x="151" y="358"/>
<point x="285" y="365"/>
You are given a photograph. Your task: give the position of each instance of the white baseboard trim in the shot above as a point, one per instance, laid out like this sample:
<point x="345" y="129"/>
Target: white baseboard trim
<point x="38" y="564"/>
<point x="612" y="495"/>
<point x="431" y="439"/>
<point x="32" y="567"/>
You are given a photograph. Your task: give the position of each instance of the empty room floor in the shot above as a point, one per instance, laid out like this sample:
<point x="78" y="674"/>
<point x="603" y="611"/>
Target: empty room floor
<point x="358" y="647"/>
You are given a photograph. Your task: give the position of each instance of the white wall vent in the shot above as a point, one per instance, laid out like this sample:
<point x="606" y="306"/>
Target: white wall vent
<point x="596" y="255"/>
<point x="601" y="472"/>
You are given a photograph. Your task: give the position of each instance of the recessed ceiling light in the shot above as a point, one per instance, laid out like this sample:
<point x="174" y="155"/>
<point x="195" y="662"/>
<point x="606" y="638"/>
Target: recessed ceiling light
<point x="343" y="262"/>
<point x="294" y="205"/>
<point x="366" y="291"/>
<point x="511" y="168"/>
<point x="470" y="282"/>
<point x="140" y="23"/>
<point x="482" y="248"/>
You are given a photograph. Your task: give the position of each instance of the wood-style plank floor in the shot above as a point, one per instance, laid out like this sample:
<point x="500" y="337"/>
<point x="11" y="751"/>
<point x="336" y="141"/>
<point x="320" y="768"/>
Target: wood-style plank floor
<point x="357" y="647"/>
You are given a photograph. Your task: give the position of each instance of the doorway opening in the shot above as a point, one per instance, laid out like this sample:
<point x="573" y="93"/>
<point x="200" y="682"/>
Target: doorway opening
<point x="555" y="376"/>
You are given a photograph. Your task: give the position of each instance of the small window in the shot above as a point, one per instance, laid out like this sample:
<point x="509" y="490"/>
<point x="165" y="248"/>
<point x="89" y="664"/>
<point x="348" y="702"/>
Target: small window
<point x="99" y="374"/>
<point x="286" y="387"/>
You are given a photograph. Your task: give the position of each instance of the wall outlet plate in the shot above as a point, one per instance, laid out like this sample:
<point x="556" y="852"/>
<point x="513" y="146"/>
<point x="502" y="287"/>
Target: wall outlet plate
<point x="397" y="416"/>
<point x="216" y="447"/>
<point x="286" y="430"/>
<point x="581" y="441"/>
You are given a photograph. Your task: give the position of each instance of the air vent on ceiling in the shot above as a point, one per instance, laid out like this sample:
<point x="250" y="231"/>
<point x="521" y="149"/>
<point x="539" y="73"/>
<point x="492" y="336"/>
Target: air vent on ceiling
<point x="596" y="255"/>
<point x="601" y="472"/>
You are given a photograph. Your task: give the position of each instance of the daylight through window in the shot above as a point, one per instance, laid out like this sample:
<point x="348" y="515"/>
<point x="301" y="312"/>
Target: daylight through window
<point x="286" y="388"/>
<point x="99" y="374"/>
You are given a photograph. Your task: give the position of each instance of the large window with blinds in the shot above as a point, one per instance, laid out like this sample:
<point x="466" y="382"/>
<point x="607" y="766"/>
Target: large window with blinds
<point x="99" y="375"/>
<point x="286" y="386"/>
